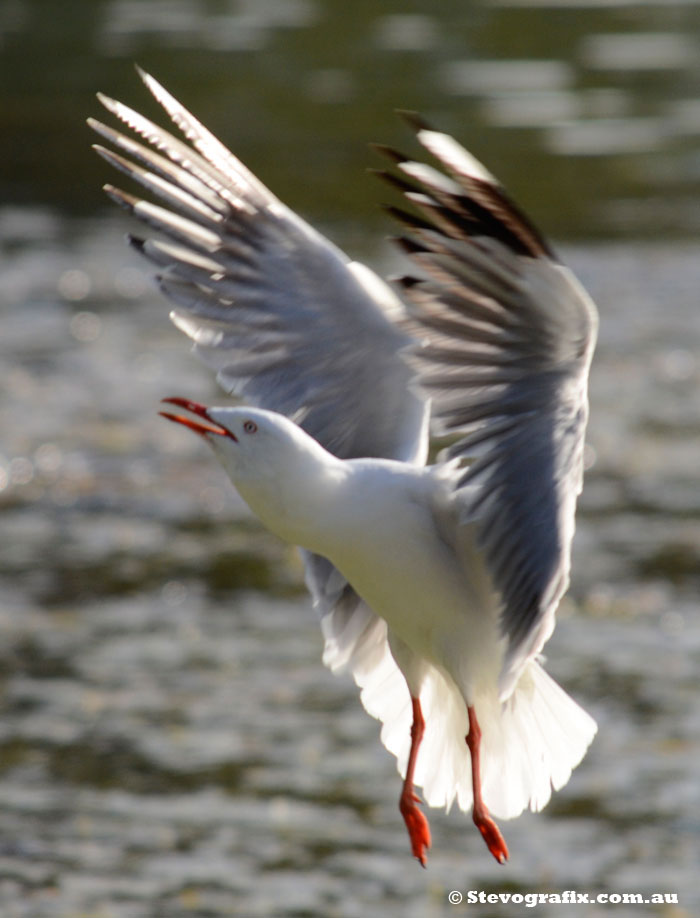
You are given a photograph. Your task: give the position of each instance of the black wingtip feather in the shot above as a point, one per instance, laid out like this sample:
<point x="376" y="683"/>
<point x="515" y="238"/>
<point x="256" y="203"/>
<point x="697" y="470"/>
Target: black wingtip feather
<point x="383" y="149"/>
<point x="410" y="220"/>
<point x="136" y="243"/>
<point x="396" y="181"/>
<point x="414" y="119"/>
<point x="407" y="281"/>
<point x="409" y="245"/>
<point x="127" y="201"/>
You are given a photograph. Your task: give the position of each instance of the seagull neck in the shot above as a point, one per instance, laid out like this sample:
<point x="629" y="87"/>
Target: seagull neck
<point x="298" y="501"/>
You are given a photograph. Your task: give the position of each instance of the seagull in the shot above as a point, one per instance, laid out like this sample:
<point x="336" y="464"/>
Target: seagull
<point x="437" y="583"/>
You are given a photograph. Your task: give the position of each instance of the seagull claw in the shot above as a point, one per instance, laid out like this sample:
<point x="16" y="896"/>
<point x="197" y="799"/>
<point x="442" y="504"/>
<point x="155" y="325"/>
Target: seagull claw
<point x="492" y="836"/>
<point x="417" y="826"/>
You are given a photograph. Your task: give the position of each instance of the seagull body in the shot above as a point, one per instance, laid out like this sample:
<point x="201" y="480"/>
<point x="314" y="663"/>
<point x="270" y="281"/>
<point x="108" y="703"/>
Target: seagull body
<point x="437" y="584"/>
<point x="385" y="526"/>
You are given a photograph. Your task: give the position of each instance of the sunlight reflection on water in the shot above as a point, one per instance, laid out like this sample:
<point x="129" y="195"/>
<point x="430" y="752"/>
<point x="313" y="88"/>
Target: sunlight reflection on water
<point x="170" y="743"/>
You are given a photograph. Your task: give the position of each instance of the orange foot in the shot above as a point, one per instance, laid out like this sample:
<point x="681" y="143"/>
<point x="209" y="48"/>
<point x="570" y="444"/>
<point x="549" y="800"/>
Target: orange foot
<point x="492" y="836"/>
<point x="417" y="825"/>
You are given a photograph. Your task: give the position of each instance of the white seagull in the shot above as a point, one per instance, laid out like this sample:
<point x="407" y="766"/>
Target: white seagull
<point x="437" y="585"/>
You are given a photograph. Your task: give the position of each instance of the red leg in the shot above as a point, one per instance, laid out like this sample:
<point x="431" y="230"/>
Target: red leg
<point x="416" y="823"/>
<point x="480" y="814"/>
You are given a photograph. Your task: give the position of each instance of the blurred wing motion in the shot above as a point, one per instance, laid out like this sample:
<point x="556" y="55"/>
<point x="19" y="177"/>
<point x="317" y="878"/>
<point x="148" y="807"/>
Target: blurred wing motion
<point x="501" y="337"/>
<point x="507" y="334"/>
<point x="288" y="322"/>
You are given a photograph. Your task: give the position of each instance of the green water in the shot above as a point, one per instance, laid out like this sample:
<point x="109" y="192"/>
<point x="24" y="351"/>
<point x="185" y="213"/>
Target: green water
<point x="170" y="744"/>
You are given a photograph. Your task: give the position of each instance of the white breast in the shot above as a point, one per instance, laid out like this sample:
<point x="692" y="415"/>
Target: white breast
<point x="394" y="556"/>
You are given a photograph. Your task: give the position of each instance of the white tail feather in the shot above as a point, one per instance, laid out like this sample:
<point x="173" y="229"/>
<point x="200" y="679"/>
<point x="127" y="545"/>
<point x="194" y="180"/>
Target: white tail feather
<point x="532" y="748"/>
<point x="530" y="743"/>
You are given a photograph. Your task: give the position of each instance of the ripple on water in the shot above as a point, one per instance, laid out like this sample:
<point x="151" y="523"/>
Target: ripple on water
<point x="639" y="51"/>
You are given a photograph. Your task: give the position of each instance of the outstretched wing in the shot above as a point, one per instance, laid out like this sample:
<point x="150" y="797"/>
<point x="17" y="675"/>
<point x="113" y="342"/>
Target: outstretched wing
<point x="507" y="338"/>
<point x="288" y="322"/>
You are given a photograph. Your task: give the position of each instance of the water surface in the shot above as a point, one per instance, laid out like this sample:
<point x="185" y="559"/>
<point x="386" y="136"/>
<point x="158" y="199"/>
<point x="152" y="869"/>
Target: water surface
<point x="170" y="743"/>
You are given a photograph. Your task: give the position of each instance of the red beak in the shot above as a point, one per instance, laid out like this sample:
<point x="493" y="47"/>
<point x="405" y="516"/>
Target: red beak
<point x="211" y="427"/>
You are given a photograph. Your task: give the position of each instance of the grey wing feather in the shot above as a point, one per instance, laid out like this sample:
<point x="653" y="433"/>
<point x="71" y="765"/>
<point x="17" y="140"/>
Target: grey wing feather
<point x="354" y="634"/>
<point x="283" y="317"/>
<point x="507" y="335"/>
<point x="356" y="642"/>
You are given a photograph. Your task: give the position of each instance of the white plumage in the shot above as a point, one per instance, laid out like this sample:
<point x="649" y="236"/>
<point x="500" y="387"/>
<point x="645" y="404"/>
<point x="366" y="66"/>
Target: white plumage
<point x="437" y="585"/>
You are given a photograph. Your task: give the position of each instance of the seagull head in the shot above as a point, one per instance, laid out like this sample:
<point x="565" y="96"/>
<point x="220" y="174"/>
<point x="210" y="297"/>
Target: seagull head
<point x="206" y="422"/>
<point x="241" y="437"/>
<point x="277" y="468"/>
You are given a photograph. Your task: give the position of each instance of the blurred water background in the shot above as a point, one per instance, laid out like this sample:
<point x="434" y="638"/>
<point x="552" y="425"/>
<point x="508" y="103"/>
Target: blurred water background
<point x="170" y="744"/>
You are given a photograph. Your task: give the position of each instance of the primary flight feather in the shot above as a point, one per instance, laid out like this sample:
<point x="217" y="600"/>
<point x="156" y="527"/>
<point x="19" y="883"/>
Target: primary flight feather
<point x="437" y="584"/>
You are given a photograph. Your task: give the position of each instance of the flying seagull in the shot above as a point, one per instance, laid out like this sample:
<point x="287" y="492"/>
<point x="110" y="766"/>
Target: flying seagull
<point x="437" y="584"/>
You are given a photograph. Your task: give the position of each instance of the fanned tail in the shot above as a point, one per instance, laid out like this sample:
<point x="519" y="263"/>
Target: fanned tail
<point x="530" y="743"/>
<point x="531" y="749"/>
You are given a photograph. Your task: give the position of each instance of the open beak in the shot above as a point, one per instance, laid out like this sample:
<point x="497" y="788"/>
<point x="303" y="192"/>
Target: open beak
<point x="203" y="429"/>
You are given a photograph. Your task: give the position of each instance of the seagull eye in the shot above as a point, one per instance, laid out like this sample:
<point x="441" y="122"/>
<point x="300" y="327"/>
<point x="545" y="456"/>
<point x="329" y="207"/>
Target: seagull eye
<point x="250" y="426"/>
